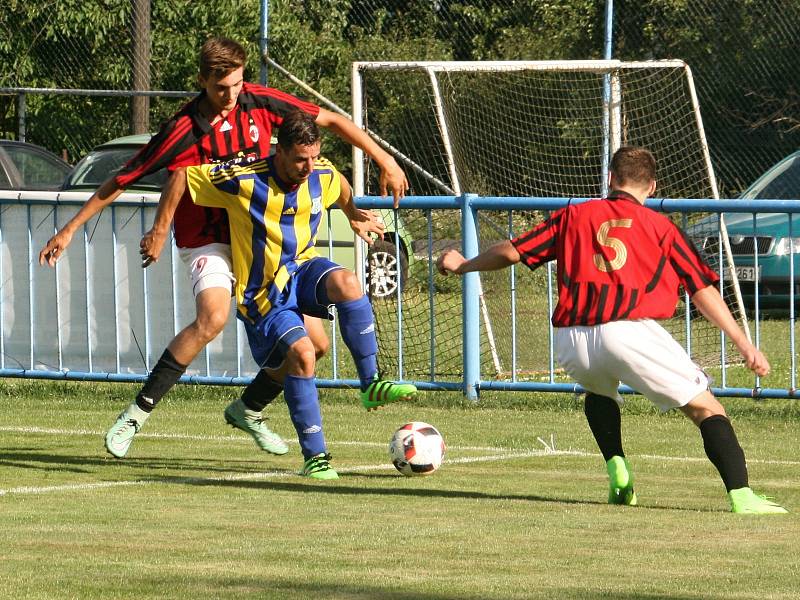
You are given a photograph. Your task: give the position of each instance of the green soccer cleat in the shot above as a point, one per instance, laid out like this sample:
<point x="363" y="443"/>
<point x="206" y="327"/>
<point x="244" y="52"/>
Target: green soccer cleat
<point x="319" y="467"/>
<point x="120" y="437"/>
<point x="381" y="392"/>
<point x="620" y="482"/>
<point x="746" y="501"/>
<point x="239" y="416"/>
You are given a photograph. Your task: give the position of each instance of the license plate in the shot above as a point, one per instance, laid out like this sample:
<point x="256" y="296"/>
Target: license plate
<point x="748" y="273"/>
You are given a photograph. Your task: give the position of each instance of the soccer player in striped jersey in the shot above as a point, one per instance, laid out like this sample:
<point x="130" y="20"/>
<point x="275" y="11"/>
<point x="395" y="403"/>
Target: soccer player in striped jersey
<point x="230" y="121"/>
<point x="274" y="207"/>
<point x="619" y="268"/>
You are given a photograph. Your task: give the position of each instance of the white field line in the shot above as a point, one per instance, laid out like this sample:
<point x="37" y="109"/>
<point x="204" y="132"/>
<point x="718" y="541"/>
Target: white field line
<point x="215" y="438"/>
<point x="504" y="454"/>
<point x="510" y="452"/>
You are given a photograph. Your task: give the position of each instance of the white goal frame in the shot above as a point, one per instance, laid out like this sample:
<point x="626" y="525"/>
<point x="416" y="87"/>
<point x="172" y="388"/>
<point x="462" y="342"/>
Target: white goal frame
<point x="611" y="122"/>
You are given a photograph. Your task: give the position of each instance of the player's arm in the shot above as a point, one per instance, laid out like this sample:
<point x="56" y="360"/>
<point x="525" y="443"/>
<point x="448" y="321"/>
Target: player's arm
<point x="362" y="222"/>
<point x="152" y="242"/>
<point x="711" y="305"/>
<point x="498" y="256"/>
<point x="55" y="246"/>
<point x="392" y="178"/>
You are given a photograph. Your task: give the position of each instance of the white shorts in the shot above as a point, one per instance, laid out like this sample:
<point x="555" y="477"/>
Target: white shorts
<point x="209" y="267"/>
<point x="640" y="354"/>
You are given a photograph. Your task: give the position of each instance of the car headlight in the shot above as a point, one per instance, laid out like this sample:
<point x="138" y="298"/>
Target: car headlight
<point x="786" y="246"/>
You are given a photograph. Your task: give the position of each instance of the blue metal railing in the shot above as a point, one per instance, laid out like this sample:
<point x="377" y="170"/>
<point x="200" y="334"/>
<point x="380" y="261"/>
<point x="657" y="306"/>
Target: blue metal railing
<point x="38" y="217"/>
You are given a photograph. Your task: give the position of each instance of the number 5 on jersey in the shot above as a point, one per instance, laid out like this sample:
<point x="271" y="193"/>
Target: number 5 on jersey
<point x="604" y="239"/>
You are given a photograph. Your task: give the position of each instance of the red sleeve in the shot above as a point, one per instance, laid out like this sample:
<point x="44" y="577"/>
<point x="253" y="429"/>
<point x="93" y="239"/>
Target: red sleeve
<point x="538" y="245"/>
<point x="275" y="101"/>
<point x="693" y="272"/>
<point x="175" y="136"/>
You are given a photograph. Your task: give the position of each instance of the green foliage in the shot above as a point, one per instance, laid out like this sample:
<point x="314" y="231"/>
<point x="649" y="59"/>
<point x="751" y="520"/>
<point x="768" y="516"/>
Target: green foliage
<point x="87" y="45"/>
<point x="743" y="55"/>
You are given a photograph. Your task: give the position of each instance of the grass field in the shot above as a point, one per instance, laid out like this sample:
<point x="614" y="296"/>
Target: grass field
<point x="517" y="511"/>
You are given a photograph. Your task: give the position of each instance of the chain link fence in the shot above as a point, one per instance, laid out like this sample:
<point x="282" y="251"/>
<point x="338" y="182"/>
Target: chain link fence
<point x="116" y="45"/>
<point x="744" y="58"/>
<point x="742" y="52"/>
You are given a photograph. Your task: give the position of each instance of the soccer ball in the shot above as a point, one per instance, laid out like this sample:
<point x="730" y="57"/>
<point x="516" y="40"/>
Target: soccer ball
<point x="416" y="448"/>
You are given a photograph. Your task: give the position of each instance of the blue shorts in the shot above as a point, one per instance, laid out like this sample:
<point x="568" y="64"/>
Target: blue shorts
<point x="271" y="337"/>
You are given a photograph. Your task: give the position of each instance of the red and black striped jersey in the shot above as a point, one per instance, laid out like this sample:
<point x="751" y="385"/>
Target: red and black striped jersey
<point x="189" y="139"/>
<point x="616" y="260"/>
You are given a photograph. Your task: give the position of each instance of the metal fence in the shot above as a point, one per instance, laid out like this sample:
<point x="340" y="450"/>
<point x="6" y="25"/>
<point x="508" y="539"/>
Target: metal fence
<point x="99" y="316"/>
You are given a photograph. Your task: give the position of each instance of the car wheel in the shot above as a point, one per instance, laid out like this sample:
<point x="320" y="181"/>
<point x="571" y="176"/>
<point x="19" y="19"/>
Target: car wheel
<point x="383" y="271"/>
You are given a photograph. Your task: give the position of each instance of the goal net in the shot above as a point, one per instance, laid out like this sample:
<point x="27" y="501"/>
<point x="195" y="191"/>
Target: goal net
<point x="527" y="129"/>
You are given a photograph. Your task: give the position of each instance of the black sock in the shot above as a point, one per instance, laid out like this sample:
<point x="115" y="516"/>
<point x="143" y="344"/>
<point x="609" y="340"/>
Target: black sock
<point x="163" y="376"/>
<point x="261" y="391"/>
<point x="724" y="451"/>
<point x="605" y="421"/>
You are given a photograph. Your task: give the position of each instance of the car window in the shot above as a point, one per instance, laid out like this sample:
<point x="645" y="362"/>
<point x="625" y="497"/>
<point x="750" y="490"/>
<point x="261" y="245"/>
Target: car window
<point x="785" y="185"/>
<point x="38" y="170"/>
<point x="100" y="164"/>
<point x="5" y="182"/>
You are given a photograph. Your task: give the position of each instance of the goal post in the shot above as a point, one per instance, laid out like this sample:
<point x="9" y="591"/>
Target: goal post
<point x="531" y="129"/>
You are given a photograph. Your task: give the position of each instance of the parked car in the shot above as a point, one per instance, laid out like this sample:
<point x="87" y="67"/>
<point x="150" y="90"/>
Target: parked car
<point x="383" y="267"/>
<point x="771" y="240"/>
<point x="25" y="166"/>
<point x="108" y="158"/>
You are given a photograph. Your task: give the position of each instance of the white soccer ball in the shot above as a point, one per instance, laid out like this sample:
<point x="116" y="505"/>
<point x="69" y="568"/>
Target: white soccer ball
<point x="417" y="448"/>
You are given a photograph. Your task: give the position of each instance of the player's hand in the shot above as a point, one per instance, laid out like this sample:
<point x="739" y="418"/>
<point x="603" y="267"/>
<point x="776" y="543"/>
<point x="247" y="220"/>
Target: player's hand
<point x="366" y="222"/>
<point x="755" y="360"/>
<point x="449" y="261"/>
<point x="393" y="179"/>
<point x="150" y="247"/>
<point x="54" y="248"/>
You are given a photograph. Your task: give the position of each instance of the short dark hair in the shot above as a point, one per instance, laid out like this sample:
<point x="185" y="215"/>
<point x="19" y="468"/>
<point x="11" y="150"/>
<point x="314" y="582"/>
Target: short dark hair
<point x="632" y="164"/>
<point x="298" y="127"/>
<point x="219" y="56"/>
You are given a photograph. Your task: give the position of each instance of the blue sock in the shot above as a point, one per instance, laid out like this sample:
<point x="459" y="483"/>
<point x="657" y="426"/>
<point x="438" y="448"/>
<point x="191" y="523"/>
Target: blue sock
<point x="357" y="324"/>
<point x="303" y="401"/>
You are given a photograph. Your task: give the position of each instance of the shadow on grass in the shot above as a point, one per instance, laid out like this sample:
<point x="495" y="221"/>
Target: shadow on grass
<point x="34" y="458"/>
<point x="29" y="458"/>
<point x="335" y="487"/>
<point x="290" y="588"/>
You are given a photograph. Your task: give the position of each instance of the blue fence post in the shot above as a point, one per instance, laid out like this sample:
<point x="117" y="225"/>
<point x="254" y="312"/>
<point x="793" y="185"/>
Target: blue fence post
<point x="470" y="299"/>
<point x="607" y="53"/>
<point x="263" y="41"/>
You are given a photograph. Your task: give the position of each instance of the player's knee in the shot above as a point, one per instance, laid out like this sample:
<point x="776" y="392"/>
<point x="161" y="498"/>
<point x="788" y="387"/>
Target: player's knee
<point x="343" y="285"/>
<point x="321" y="346"/>
<point x="703" y="406"/>
<point x="301" y="358"/>
<point x="210" y="323"/>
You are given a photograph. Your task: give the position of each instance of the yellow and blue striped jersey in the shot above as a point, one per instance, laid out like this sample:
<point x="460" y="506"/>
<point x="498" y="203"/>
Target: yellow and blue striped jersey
<point x="273" y="231"/>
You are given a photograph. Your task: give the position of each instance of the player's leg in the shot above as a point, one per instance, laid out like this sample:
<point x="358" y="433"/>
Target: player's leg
<point x="653" y="363"/>
<point x="605" y="421"/>
<point x="576" y="352"/>
<point x="246" y="412"/>
<point x="268" y="383"/>
<point x="211" y="283"/>
<point x="326" y="283"/>
<point x="302" y="399"/>
<point x="725" y="453"/>
<point x="281" y="339"/>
